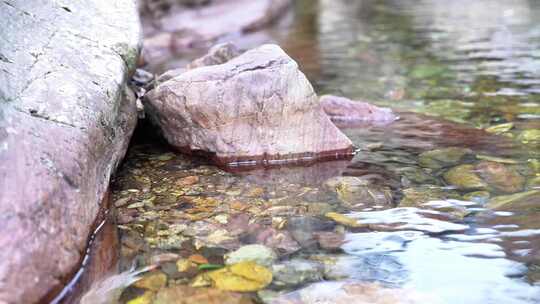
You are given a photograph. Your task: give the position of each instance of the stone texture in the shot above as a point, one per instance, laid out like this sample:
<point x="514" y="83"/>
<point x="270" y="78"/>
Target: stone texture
<point x="257" y="108"/>
<point x="65" y="122"/>
<point x="346" y="111"/>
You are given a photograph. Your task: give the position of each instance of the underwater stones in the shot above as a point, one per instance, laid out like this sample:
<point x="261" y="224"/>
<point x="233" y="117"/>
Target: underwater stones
<point x="464" y="177"/>
<point x="420" y="196"/>
<point x="427" y="198"/>
<point x="259" y="254"/>
<point x="257" y="108"/>
<point x="329" y="240"/>
<point x="441" y="158"/>
<point x="485" y="175"/>
<point x="303" y="228"/>
<point x="342" y="110"/>
<point x="351" y="292"/>
<point x="296" y="272"/>
<point x="530" y="137"/>
<point x="518" y="201"/>
<point x="344" y="220"/>
<point x="480" y="197"/>
<point x="416" y="175"/>
<point x="501" y="177"/>
<point x="242" y="277"/>
<point x="184" y="294"/>
<point x="358" y="192"/>
<point x="500" y="128"/>
<point x="152" y="281"/>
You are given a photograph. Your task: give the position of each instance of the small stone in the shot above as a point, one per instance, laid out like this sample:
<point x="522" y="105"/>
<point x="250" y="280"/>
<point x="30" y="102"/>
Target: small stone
<point x="163" y="258"/>
<point x="501" y="128"/>
<point x="531" y="136"/>
<point x="185" y="265"/>
<point x="500" y="177"/>
<point x="480" y="197"/>
<point x="497" y="159"/>
<point x="534" y="165"/>
<point x="146" y="298"/>
<point x="121" y="202"/>
<point x="222" y="218"/>
<point x="165" y="157"/>
<point x="187" y="181"/>
<point x="517" y="201"/>
<point x="198" y="259"/>
<point x="319" y="208"/>
<point x="533" y="183"/>
<point x="242" y="277"/>
<point x="255" y="192"/>
<point x="353" y="191"/>
<point x="184" y="294"/>
<point x="330" y="240"/>
<point x="296" y="272"/>
<point x="344" y="220"/>
<point x="464" y="177"/>
<point x="152" y="281"/>
<point x="136" y="205"/>
<point x="279" y="222"/>
<point x="259" y="254"/>
<point x="417" y="175"/>
<point x="441" y="158"/>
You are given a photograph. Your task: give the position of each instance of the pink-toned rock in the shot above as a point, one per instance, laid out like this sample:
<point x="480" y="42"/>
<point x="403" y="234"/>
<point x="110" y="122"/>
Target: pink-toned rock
<point x="65" y="124"/>
<point x="257" y="108"/>
<point x="345" y="111"/>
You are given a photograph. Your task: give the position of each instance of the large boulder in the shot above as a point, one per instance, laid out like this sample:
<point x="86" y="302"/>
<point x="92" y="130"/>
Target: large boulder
<point x="65" y="122"/>
<point x="257" y="108"/>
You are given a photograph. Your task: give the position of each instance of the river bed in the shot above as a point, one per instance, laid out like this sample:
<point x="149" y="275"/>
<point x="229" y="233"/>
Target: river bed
<point x="442" y="206"/>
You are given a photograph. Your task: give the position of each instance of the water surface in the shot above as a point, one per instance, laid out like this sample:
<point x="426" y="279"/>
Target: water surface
<point x="462" y="67"/>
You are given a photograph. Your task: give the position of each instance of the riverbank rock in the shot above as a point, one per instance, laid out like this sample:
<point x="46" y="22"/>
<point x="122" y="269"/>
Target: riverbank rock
<point x="65" y="122"/>
<point x="344" y="111"/>
<point x="257" y="108"/>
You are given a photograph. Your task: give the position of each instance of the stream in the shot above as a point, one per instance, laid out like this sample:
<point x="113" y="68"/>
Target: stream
<point x="442" y="206"/>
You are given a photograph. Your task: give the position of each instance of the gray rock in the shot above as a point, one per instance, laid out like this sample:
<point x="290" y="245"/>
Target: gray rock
<point x="257" y="108"/>
<point x="65" y="122"/>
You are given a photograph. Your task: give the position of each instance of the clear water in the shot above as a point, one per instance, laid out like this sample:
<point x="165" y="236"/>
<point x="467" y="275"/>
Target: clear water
<point x="474" y="63"/>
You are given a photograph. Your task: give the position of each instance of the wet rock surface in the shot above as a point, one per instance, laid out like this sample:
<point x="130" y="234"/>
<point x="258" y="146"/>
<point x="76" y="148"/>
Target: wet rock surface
<point x="346" y="112"/>
<point x="66" y="117"/>
<point x="256" y="109"/>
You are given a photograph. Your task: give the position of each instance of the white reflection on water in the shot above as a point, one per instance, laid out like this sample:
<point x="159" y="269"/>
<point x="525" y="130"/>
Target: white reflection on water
<point x="450" y="267"/>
